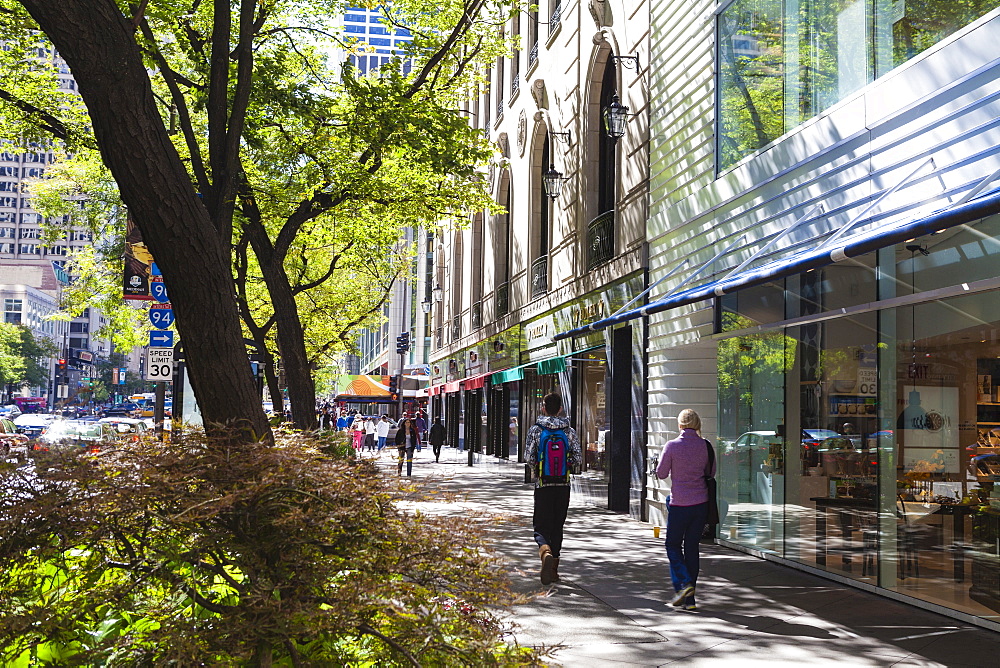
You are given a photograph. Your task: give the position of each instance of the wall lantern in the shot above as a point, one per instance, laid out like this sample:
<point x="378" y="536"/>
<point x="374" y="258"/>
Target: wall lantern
<point x="552" y="180"/>
<point x="616" y="117"/>
<point x="438" y="292"/>
<point x="425" y="306"/>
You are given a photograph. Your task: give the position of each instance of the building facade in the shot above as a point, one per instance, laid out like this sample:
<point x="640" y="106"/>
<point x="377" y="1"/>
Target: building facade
<point x="30" y="292"/>
<point x="568" y="247"/>
<point x="823" y="238"/>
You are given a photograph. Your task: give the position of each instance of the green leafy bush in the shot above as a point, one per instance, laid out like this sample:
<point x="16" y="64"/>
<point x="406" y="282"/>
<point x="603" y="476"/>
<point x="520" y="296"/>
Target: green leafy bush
<point x="199" y="553"/>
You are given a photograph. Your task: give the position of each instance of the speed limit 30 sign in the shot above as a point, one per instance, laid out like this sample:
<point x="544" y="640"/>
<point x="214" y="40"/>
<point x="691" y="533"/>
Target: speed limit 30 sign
<point x="159" y="364"/>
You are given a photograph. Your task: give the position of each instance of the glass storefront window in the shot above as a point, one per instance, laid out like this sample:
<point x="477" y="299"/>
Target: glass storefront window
<point x="753" y="306"/>
<point x="781" y="63"/>
<point x="941" y="428"/>
<point x="832" y="486"/>
<point x="593" y="425"/>
<point x="533" y="388"/>
<point x="750" y="451"/>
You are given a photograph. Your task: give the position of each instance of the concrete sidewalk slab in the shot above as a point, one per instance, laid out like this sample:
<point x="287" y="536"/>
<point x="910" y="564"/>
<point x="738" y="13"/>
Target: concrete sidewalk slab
<point x="612" y="608"/>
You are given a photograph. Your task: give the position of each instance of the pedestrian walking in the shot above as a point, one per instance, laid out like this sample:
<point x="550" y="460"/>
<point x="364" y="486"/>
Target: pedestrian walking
<point x="358" y="433"/>
<point x="342" y="422"/>
<point x="407" y="441"/>
<point x="552" y="450"/>
<point x="687" y="462"/>
<point x="421" y="424"/>
<point x="370" y="432"/>
<point x="382" y="431"/>
<point x="436" y="437"/>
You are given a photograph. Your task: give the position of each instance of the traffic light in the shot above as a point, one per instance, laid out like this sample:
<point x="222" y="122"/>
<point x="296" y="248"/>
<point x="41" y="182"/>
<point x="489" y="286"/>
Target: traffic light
<point x="61" y="364"/>
<point x="393" y="384"/>
<point x="402" y="343"/>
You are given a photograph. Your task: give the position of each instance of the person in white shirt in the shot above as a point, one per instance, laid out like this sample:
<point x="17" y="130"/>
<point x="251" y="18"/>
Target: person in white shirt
<point x="382" y="431"/>
<point x="370" y="434"/>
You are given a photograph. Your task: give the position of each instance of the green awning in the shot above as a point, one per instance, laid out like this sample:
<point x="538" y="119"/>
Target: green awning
<point x="553" y="365"/>
<point x="507" y="375"/>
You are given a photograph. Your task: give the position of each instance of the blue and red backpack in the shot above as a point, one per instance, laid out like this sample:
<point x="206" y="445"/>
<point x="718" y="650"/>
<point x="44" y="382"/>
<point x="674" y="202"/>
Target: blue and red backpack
<point x="553" y="457"/>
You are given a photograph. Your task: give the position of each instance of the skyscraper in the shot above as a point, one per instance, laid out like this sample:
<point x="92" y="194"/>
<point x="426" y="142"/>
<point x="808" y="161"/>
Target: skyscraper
<point x="375" y="40"/>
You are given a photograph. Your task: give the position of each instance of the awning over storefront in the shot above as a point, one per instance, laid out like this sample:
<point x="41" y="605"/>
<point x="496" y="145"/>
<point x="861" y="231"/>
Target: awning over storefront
<point x="814" y="258"/>
<point x="508" y="375"/>
<point x="453" y="386"/>
<point x="552" y="365"/>
<point x="475" y="382"/>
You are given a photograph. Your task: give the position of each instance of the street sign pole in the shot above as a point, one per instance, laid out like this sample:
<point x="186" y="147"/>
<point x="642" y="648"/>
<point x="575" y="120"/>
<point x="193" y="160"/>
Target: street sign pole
<point x="161" y="395"/>
<point x="399" y="385"/>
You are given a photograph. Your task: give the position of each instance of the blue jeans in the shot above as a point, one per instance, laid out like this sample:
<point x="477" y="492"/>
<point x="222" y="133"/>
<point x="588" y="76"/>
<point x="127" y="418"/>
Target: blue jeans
<point x="684" y="527"/>
<point x="381" y="443"/>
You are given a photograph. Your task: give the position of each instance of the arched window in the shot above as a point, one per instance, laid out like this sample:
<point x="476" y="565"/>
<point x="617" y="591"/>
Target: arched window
<point x="476" y="287"/>
<point x="502" y="245"/>
<point x="606" y="155"/>
<point x="601" y="229"/>
<point x="457" y="274"/>
<point x="539" y="276"/>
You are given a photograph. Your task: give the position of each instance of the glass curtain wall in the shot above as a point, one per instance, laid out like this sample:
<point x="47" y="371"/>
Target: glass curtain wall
<point x="781" y="62"/>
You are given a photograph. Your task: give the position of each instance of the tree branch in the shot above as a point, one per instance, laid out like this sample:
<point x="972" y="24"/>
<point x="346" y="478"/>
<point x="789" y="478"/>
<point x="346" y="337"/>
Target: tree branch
<point x="45" y="120"/>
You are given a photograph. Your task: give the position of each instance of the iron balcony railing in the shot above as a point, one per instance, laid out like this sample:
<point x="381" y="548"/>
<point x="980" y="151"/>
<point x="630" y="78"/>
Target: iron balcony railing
<point x="477" y="315"/>
<point x="499" y="108"/>
<point x="540" y="276"/>
<point x="456" y="328"/>
<point x="515" y="86"/>
<point x="439" y="338"/>
<point x="554" y="19"/>
<point x="503" y="299"/>
<point x="601" y="239"/>
<point x="533" y="54"/>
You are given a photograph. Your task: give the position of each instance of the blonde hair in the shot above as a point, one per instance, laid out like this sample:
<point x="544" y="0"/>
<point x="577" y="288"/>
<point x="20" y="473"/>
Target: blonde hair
<point x="688" y="419"/>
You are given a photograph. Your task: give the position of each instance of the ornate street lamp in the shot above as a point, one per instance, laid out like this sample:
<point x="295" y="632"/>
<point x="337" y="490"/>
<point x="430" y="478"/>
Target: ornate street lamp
<point x="438" y="292"/>
<point x="616" y="118"/>
<point x="552" y="180"/>
<point x="425" y="306"/>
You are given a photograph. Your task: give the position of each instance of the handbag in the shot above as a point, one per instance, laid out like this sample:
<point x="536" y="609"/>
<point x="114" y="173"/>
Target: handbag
<point x="713" y="499"/>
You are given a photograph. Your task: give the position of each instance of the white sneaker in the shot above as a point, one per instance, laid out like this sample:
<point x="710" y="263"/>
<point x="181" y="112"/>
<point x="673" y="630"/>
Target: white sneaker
<point x="681" y="595"/>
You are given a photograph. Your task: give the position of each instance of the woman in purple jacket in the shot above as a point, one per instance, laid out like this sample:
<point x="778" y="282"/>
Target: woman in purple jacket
<point x="685" y="460"/>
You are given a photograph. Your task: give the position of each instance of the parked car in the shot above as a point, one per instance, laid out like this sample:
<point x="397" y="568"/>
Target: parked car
<point x="33" y="424"/>
<point x="127" y="409"/>
<point x="76" y="435"/>
<point x="129" y="429"/>
<point x="10" y="411"/>
<point x="10" y="439"/>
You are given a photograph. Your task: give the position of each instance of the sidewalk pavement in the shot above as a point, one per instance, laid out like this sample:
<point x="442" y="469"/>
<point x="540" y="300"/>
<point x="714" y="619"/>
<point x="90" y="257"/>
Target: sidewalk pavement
<point x="612" y="606"/>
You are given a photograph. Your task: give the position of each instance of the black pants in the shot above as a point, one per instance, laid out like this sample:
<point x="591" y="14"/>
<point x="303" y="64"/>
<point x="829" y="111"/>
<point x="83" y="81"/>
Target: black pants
<point x="437" y="450"/>
<point x="549" y="516"/>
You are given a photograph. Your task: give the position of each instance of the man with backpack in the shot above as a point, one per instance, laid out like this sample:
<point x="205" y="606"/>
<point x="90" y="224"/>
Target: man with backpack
<point x="552" y="450"/>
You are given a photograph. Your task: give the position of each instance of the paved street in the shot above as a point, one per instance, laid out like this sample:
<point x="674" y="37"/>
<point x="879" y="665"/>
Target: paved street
<point x="612" y="607"/>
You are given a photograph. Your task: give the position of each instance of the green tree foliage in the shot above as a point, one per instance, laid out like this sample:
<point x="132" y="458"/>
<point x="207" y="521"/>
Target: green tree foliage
<point x="21" y="358"/>
<point x="188" y="554"/>
<point x="314" y="174"/>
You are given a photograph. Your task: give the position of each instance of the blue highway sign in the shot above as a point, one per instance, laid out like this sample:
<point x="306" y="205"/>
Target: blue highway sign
<point x="158" y="339"/>
<point x="161" y="315"/>
<point x="159" y="290"/>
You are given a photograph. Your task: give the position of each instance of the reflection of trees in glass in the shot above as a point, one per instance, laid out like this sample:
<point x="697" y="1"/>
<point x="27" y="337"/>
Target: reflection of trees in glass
<point x="751" y="97"/>
<point x="769" y="356"/>
<point x="926" y="22"/>
<point x="779" y="69"/>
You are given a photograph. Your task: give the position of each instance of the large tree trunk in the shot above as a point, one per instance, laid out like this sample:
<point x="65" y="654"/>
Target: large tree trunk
<point x="98" y="44"/>
<point x="291" y="337"/>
